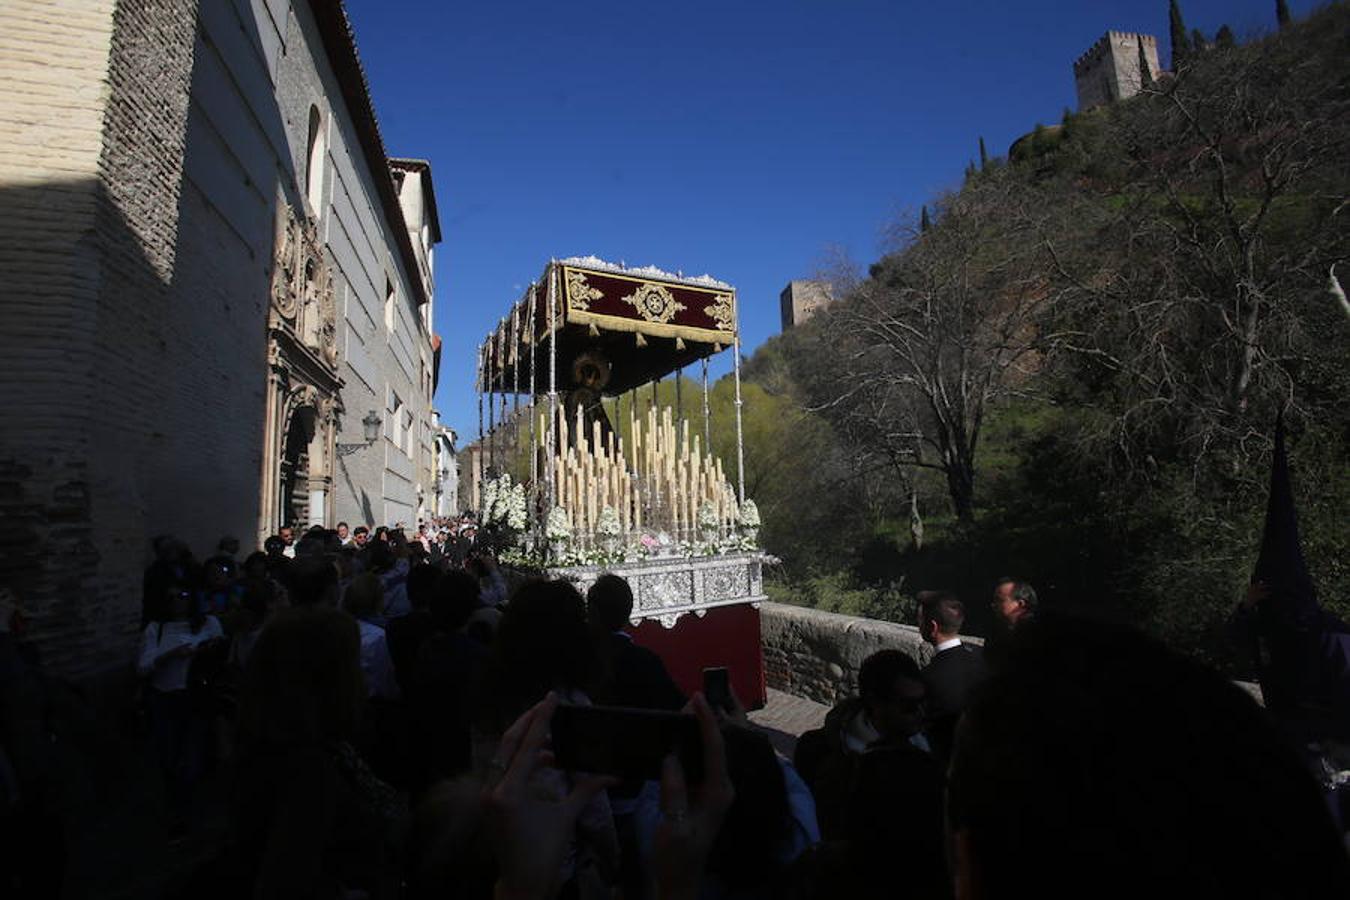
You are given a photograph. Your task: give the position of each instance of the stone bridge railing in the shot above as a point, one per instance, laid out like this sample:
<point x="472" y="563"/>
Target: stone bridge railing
<point x="814" y="654"/>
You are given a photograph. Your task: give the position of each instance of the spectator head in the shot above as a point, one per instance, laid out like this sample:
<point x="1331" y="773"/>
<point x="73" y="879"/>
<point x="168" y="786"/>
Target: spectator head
<point x="360" y="535"/>
<point x="381" y="556"/>
<point x="275" y="545"/>
<point x="303" y="683"/>
<point x="941" y="616"/>
<point x="176" y="604"/>
<point x="228" y="546"/>
<point x="422" y="581"/>
<point x="287" y="534"/>
<point x="609" y="603"/>
<point x="453" y="600"/>
<point x="217" y="573"/>
<point x="892" y="693"/>
<point x="166" y="548"/>
<point x="312" y="581"/>
<point x="310" y="544"/>
<point x="1014" y="601"/>
<point x="364" y="598"/>
<point x="255" y="565"/>
<point x="1100" y="757"/>
<point x="342" y="531"/>
<point x="256" y="600"/>
<point x="543" y="644"/>
<point x="381" y="533"/>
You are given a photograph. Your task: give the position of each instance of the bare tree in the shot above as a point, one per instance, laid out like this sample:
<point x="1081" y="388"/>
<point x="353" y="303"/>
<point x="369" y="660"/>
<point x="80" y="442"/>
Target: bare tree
<point x="945" y="325"/>
<point x="1197" y="278"/>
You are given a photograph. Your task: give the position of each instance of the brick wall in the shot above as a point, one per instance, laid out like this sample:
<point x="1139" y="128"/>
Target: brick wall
<point x="814" y="654"/>
<point x="53" y="59"/>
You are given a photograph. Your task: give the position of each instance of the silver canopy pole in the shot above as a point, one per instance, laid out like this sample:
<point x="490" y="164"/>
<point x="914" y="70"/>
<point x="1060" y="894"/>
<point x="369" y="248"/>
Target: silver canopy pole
<point x="740" y="441"/>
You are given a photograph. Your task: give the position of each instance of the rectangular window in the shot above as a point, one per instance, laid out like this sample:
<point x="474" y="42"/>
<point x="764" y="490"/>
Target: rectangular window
<point x="390" y="307"/>
<point x="397" y="418"/>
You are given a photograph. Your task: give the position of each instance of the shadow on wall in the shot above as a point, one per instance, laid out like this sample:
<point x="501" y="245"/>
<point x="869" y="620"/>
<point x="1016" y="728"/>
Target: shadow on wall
<point x="79" y="419"/>
<point x="238" y="167"/>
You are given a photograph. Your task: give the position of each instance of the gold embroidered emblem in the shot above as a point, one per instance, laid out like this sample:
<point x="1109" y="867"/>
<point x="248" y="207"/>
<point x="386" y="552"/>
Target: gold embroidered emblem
<point x="722" y="311"/>
<point x="654" y="303"/>
<point x="579" y="292"/>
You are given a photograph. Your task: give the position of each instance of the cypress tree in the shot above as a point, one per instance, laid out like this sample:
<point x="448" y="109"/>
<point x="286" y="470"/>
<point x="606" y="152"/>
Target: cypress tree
<point x="924" y="223"/>
<point x="970" y="170"/>
<point x="1181" y="47"/>
<point x="1223" y="38"/>
<point x="1145" y="73"/>
<point x="1282" y="13"/>
<point x="984" y="155"/>
<point x="1198" y="41"/>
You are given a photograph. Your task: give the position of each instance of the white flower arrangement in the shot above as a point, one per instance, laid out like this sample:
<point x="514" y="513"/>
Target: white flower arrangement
<point x="749" y="514"/>
<point x="707" y="516"/>
<point x="609" y="524"/>
<point x="489" y="502"/>
<point x="557" y="527"/>
<point x="516" y="508"/>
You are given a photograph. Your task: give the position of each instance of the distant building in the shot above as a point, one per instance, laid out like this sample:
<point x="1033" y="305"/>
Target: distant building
<point x="801" y="299"/>
<point x="446" y="472"/>
<point x="1109" y="70"/>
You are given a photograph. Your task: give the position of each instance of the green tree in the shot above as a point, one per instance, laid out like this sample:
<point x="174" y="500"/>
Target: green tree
<point x="984" y="155"/>
<point x="1224" y="38"/>
<point x="1145" y="72"/>
<point x="1181" y="46"/>
<point x="1282" y="13"/>
<point x="924" y="222"/>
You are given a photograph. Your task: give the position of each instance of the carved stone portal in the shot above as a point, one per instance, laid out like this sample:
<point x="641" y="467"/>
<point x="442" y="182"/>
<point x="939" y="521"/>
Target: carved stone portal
<point x="303" y="399"/>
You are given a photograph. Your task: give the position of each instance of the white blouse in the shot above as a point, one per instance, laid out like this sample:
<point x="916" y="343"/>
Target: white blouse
<point x="171" y="674"/>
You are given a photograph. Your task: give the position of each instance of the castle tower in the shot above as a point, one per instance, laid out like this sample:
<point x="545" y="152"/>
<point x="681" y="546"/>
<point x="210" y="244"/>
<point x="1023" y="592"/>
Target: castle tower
<point x="1109" y="70"/>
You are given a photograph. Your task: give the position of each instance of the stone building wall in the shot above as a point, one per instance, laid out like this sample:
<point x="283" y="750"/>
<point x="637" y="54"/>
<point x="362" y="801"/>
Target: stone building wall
<point x="800" y="300"/>
<point x="149" y="150"/>
<point x="1109" y="70"/>
<point x="89" y="252"/>
<point x="53" y="59"/>
<point x="814" y="654"/>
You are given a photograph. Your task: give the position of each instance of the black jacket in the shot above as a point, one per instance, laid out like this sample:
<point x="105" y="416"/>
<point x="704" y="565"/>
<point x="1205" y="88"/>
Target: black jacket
<point x="950" y="678"/>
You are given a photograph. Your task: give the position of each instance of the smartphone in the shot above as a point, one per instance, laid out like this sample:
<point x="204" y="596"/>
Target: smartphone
<point x="717" y="688"/>
<point x="629" y="743"/>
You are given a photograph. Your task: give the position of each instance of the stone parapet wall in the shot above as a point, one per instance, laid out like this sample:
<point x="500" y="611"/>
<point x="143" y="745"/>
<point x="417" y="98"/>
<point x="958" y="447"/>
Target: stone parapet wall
<point x="816" y="655"/>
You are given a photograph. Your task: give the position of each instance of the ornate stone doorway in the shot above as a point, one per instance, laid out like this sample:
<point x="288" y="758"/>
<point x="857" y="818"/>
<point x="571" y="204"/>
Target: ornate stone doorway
<point x="303" y="398"/>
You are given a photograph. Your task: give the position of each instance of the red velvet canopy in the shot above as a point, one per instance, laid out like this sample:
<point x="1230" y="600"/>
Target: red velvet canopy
<point x="644" y="323"/>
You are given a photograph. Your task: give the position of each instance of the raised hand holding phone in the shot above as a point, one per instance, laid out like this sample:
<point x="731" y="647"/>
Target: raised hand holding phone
<point x="691" y="816"/>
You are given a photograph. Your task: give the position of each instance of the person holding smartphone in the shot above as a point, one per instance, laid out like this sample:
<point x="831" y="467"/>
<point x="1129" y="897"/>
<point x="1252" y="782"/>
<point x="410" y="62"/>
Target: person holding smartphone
<point x="178" y="631"/>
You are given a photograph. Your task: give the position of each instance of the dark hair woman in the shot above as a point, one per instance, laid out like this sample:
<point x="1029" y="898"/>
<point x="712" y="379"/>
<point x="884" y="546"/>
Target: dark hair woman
<point x="311" y="819"/>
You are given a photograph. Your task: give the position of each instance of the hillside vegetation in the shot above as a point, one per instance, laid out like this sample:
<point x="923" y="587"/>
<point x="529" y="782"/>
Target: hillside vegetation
<point x="1071" y="369"/>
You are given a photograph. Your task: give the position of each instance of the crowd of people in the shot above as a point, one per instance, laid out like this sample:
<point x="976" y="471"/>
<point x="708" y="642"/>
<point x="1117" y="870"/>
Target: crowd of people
<point x="383" y="704"/>
<point x="380" y="706"/>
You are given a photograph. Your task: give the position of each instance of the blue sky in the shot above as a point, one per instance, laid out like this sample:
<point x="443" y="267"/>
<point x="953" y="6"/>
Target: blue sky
<point x="741" y="138"/>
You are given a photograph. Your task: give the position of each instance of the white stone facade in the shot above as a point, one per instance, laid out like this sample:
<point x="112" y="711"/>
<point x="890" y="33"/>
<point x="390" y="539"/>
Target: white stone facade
<point x="210" y="277"/>
<point x="1109" y="70"/>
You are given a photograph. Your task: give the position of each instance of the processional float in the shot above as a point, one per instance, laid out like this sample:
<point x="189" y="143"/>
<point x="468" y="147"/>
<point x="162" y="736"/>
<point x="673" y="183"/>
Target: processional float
<point x="574" y="482"/>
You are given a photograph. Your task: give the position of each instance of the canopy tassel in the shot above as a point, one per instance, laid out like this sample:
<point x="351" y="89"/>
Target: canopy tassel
<point x="679" y="343"/>
<point x="641" y="341"/>
<point x="593" y="331"/>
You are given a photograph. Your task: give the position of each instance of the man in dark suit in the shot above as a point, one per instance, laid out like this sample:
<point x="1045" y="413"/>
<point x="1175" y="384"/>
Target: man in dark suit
<point x="954" y="671"/>
<point x="634" y="676"/>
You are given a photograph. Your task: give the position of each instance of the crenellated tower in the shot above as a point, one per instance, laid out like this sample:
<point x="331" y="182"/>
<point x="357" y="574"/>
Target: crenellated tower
<point x="1109" y="70"/>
